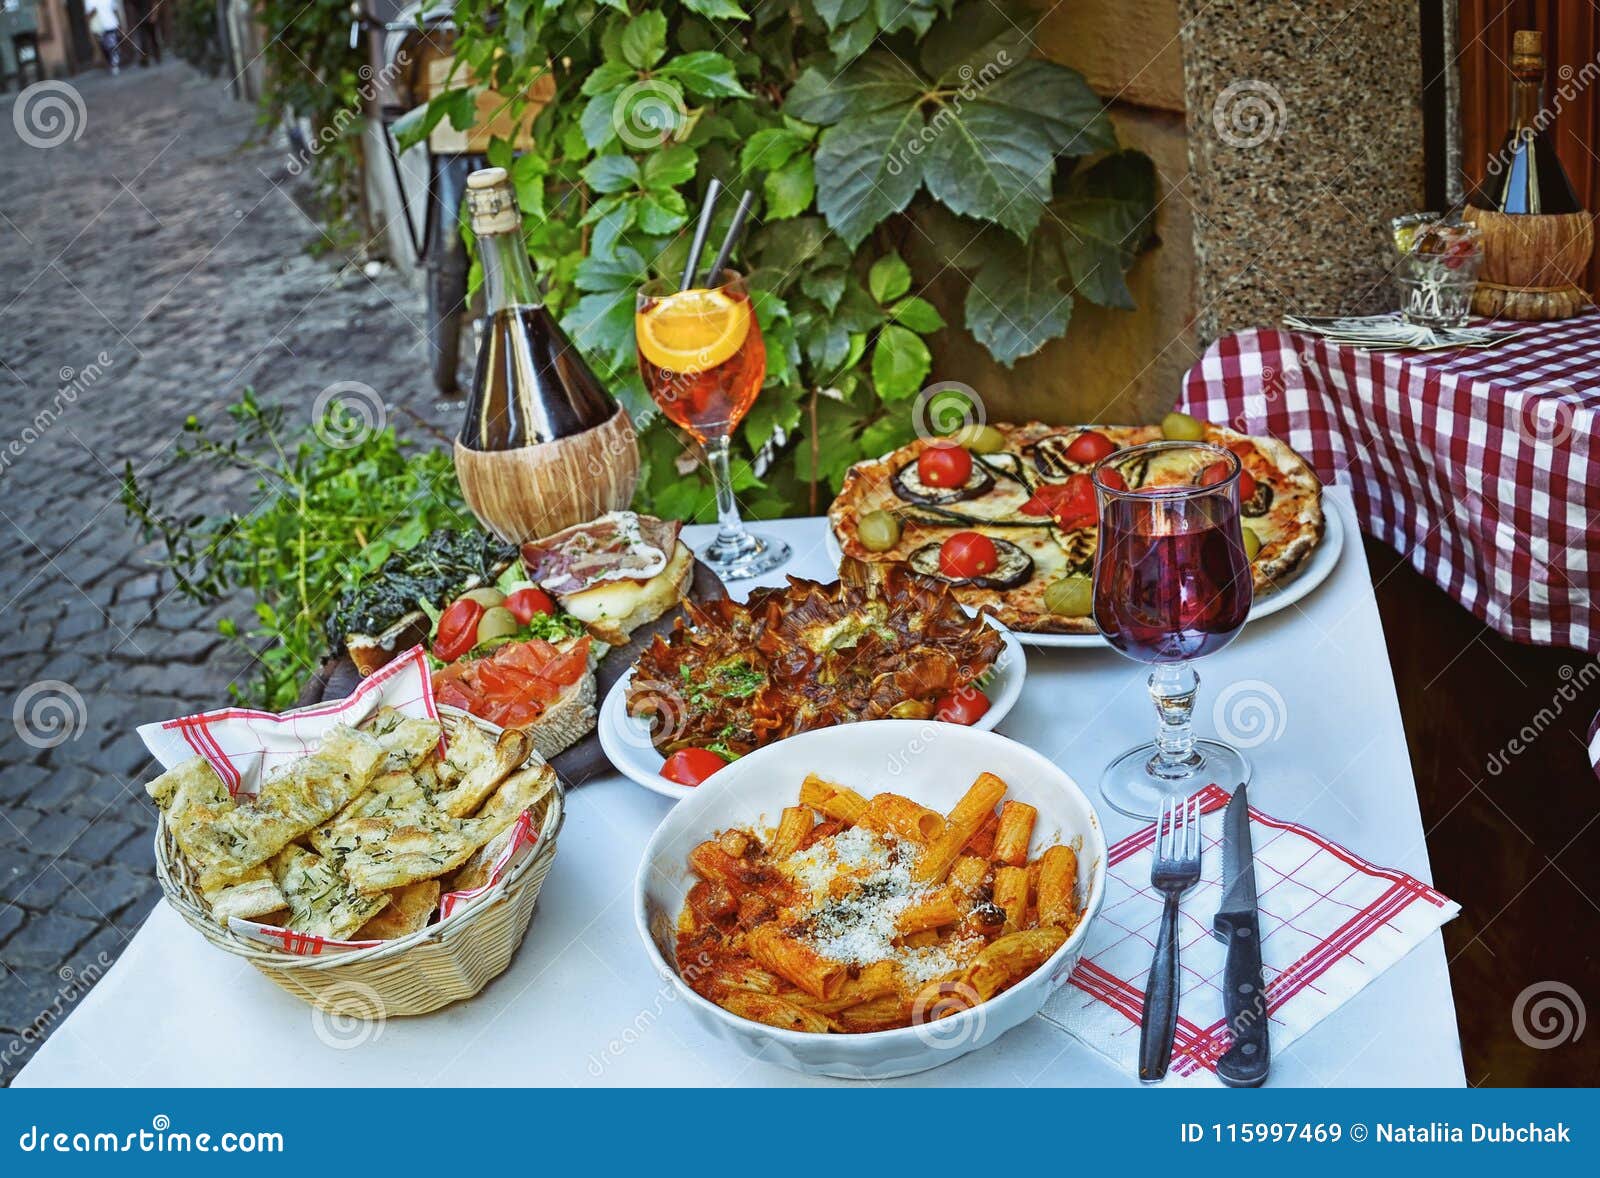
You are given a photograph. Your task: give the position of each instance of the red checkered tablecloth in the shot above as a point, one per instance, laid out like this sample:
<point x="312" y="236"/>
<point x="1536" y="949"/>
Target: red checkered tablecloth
<point x="1478" y="466"/>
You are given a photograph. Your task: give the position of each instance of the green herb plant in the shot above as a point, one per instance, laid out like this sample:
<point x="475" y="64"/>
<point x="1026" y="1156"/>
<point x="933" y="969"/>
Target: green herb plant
<point x="332" y="502"/>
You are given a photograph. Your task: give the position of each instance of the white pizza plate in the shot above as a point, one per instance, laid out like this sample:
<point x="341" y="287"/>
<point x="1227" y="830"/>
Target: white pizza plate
<point x="626" y="740"/>
<point x="1311" y="574"/>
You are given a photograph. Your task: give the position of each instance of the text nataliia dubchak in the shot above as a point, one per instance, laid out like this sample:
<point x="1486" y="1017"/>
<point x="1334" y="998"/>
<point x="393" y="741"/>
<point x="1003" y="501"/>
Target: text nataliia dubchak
<point x="1444" y="1133"/>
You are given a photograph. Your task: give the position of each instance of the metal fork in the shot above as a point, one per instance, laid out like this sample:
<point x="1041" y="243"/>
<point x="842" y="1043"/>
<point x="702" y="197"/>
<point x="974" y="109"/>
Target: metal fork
<point x="1175" y="870"/>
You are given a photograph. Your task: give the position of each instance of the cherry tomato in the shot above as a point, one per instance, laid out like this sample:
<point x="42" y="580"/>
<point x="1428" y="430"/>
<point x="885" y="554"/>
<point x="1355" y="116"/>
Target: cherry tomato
<point x="525" y="603"/>
<point x="458" y="630"/>
<point x="1071" y="504"/>
<point x="966" y="706"/>
<point x="568" y="667"/>
<point x="944" y="466"/>
<point x="968" y="554"/>
<point x="1113" y="479"/>
<point x="1218" y="472"/>
<point x="1090" y="447"/>
<point x="691" y="766"/>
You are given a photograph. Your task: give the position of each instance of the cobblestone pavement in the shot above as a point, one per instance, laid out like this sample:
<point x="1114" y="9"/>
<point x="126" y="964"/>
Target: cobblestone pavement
<point x="150" y="268"/>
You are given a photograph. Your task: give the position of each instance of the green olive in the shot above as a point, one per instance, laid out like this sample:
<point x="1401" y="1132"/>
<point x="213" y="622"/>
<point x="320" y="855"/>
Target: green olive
<point x="1252" y="543"/>
<point x="1071" y="596"/>
<point x="878" y="531"/>
<point x="981" y="439"/>
<point x="497" y="622"/>
<point x="1180" y="427"/>
<point x="486" y="595"/>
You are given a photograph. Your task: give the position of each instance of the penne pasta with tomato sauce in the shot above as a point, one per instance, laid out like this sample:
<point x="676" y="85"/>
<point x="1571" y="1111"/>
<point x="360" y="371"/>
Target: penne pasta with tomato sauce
<point x="859" y="914"/>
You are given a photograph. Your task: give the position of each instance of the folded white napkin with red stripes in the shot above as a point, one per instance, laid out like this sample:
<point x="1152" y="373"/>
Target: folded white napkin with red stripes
<point x="1330" y="923"/>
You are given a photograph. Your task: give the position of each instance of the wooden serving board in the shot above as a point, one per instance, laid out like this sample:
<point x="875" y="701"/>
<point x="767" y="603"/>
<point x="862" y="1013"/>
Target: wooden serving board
<point x="585" y="760"/>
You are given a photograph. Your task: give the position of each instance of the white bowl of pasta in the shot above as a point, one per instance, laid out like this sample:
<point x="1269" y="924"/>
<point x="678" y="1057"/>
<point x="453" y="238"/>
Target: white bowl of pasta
<point x="874" y="899"/>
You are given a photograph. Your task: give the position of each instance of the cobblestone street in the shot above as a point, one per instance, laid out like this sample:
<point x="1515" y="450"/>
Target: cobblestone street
<point x="151" y="268"/>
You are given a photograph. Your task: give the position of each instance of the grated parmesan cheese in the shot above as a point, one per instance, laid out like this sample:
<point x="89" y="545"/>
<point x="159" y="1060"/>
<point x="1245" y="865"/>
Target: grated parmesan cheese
<point x="855" y="924"/>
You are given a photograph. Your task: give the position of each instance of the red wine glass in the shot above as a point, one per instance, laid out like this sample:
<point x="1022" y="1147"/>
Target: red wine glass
<point x="1171" y="584"/>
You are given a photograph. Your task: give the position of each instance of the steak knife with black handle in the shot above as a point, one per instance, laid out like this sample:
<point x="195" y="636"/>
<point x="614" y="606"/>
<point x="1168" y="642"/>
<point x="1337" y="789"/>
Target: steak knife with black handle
<point x="1244" y="996"/>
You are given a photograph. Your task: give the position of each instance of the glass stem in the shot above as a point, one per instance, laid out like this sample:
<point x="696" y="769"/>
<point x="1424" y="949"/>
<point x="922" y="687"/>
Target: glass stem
<point x="1172" y="690"/>
<point x="731" y="536"/>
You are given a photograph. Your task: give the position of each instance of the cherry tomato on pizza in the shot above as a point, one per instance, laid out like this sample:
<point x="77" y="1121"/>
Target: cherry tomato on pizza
<point x="1217" y="472"/>
<point x="968" y="554"/>
<point x="1071" y="504"/>
<point x="944" y="466"/>
<point x="1089" y="447"/>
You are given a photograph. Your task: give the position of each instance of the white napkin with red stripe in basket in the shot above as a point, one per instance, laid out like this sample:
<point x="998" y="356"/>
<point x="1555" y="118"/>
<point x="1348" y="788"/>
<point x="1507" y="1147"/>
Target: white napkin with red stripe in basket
<point x="246" y="746"/>
<point x="1330" y="923"/>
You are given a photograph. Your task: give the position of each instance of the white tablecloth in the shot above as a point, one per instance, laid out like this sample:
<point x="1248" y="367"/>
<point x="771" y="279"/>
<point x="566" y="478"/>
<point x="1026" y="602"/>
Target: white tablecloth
<point x="581" y="1005"/>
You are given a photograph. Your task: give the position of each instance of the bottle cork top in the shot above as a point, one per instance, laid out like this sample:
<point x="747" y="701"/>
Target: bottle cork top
<point x="1527" y="54"/>
<point x="492" y="202"/>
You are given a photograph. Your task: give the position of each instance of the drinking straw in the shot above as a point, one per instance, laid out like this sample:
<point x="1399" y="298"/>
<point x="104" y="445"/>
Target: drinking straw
<point x="713" y="190"/>
<point x="733" y="235"/>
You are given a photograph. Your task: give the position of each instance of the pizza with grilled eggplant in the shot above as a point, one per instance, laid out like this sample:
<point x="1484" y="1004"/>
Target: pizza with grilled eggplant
<point x="1006" y="514"/>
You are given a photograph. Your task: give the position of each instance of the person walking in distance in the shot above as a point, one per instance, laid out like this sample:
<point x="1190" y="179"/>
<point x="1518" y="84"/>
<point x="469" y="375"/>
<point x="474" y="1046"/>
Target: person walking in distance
<point x="105" y="24"/>
<point x="144" y="31"/>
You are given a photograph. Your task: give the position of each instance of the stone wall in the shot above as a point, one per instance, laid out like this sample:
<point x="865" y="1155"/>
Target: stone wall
<point x="1305" y="136"/>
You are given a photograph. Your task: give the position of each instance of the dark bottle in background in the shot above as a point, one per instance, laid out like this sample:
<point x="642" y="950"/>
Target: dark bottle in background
<point x="531" y="385"/>
<point x="1525" y="176"/>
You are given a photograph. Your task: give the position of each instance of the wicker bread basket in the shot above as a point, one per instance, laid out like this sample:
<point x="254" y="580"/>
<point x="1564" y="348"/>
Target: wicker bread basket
<point x="415" y="974"/>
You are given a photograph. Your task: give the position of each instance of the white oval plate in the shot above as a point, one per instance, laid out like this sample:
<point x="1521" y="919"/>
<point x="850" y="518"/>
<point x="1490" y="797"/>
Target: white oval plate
<point x="626" y="740"/>
<point x="1315" y="571"/>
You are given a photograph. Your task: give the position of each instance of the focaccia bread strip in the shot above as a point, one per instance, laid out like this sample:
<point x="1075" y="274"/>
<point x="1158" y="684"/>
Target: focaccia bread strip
<point x="322" y="901"/>
<point x="224" y="837"/>
<point x="489" y="769"/>
<point x="256" y="895"/>
<point x="390" y="793"/>
<point x="410" y="908"/>
<point x="409" y="740"/>
<point x="377" y="854"/>
<point x="516" y="794"/>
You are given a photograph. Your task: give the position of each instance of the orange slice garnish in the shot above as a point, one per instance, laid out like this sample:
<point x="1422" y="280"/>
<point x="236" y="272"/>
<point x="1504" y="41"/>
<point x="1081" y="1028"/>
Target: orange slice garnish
<point x="692" y="330"/>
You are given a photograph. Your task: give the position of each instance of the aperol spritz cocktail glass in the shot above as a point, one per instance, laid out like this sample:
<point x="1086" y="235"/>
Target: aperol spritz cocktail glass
<point x="1171" y="583"/>
<point x="703" y="361"/>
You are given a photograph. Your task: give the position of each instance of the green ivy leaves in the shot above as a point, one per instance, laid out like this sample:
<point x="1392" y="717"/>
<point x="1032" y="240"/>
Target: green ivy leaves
<point x="985" y="147"/>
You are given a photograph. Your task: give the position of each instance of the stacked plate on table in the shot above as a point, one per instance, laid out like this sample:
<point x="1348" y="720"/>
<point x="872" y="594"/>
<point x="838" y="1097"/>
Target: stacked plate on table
<point x="1391" y="332"/>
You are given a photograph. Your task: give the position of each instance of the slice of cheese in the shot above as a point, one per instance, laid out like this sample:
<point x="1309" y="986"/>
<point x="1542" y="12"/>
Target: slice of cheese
<point x="613" y="609"/>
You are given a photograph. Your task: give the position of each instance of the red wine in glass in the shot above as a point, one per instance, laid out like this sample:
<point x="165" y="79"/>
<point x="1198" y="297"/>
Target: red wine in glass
<point x="1171" y="583"/>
